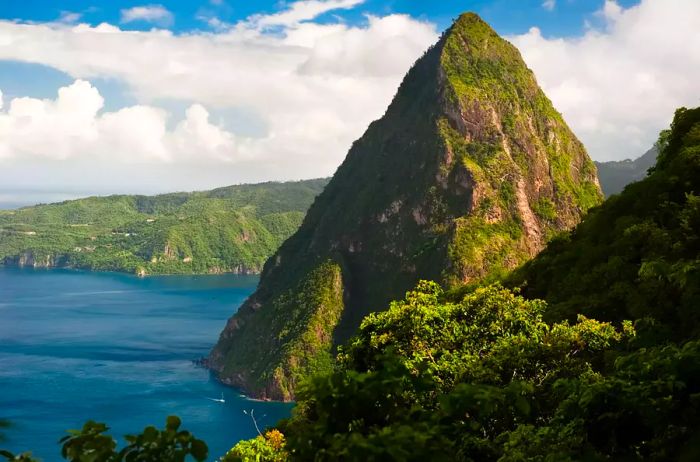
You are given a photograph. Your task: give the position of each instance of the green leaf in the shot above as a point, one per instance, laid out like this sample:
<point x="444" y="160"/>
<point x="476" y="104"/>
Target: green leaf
<point x="173" y="422"/>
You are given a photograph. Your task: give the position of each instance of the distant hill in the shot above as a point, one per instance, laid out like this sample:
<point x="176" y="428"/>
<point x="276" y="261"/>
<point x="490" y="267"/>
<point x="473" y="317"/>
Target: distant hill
<point x="230" y="229"/>
<point x="615" y="175"/>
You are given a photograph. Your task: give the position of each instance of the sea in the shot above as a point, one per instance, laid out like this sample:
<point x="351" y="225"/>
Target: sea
<point x="119" y="349"/>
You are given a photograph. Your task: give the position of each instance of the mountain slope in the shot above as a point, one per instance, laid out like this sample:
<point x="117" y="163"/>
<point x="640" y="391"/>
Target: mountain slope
<point x="231" y="229"/>
<point x="615" y="175"/>
<point x="638" y="255"/>
<point x="468" y="173"/>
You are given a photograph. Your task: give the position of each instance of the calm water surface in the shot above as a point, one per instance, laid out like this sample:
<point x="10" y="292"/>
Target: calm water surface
<point x="117" y="349"/>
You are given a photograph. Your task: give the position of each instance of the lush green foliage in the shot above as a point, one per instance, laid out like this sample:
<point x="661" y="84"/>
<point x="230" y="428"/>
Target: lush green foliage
<point x="432" y="379"/>
<point x="270" y="447"/>
<point x="303" y="318"/>
<point x="638" y="255"/>
<point x="91" y="444"/>
<point x="233" y="229"/>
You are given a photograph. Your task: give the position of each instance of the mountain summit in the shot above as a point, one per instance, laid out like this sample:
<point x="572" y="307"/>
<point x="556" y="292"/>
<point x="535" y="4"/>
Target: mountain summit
<point x="467" y="174"/>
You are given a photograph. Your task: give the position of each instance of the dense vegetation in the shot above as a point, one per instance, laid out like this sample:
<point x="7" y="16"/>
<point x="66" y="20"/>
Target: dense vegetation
<point x="303" y="318"/>
<point x="615" y="175"/>
<point x="590" y="351"/>
<point x="232" y="229"/>
<point x="468" y="173"/>
<point x="636" y="256"/>
<point x="485" y="378"/>
<point x="486" y="374"/>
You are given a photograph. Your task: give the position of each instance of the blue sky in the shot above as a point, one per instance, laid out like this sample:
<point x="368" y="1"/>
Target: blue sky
<point x="506" y="16"/>
<point x="566" y="19"/>
<point x="155" y="96"/>
<point x="509" y="17"/>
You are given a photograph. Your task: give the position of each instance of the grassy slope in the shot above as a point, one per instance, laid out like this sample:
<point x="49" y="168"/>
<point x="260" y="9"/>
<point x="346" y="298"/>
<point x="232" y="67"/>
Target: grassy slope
<point x="231" y="229"/>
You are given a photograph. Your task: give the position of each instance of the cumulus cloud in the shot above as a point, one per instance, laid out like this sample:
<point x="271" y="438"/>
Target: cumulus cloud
<point x="618" y="85"/>
<point x="156" y="14"/>
<point x="72" y="125"/>
<point x="314" y="87"/>
<point x="302" y="10"/>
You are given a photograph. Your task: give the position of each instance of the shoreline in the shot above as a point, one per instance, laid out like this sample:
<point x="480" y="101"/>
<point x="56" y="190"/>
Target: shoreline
<point x="203" y="363"/>
<point x="130" y="273"/>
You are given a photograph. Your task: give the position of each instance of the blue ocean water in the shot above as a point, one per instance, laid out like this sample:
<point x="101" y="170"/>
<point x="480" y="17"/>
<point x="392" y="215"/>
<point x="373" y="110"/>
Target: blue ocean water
<point x="117" y="349"/>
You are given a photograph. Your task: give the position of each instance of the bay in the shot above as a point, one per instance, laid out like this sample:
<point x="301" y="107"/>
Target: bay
<point x="118" y="349"/>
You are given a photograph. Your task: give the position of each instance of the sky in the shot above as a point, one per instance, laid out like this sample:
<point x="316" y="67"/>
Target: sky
<point x="122" y="96"/>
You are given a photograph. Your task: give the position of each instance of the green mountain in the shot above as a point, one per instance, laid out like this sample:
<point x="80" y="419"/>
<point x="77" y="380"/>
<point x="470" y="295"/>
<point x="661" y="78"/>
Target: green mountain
<point x="615" y="175"/>
<point x="636" y="256"/>
<point x="231" y="229"/>
<point x="606" y="368"/>
<point x="483" y="373"/>
<point x="468" y="174"/>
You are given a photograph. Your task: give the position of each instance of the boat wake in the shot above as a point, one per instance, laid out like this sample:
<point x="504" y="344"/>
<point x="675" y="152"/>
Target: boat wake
<point x="218" y="400"/>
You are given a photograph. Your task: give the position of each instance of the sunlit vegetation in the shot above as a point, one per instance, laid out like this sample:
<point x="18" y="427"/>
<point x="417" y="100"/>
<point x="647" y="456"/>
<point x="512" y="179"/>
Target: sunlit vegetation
<point x="589" y="351"/>
<point x="489" y="373"/>
<point x="232" y="229"/>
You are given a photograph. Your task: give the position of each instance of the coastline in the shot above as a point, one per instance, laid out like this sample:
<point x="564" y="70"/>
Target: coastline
<point x="212" y="271"/>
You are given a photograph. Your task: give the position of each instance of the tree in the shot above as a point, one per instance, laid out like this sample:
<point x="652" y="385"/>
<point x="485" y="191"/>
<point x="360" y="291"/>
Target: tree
<point x="448" y="380"/>
<point x="91" y="444"/>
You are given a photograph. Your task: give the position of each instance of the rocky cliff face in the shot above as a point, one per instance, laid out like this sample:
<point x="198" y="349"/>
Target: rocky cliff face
<point x="29" y="259"/>
<point x="467" y="174"/>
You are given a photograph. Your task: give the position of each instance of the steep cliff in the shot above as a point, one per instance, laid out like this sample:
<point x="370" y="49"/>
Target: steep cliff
<point x="467" y="174"/>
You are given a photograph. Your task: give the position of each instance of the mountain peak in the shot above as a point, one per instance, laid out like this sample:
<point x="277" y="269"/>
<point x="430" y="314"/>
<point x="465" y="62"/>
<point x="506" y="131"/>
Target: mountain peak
<point x="467" y="174"/>
<point x="470" y="23"/>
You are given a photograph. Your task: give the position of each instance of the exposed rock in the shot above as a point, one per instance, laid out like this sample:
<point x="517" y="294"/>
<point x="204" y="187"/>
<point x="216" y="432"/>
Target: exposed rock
<point x="467" y="174"/>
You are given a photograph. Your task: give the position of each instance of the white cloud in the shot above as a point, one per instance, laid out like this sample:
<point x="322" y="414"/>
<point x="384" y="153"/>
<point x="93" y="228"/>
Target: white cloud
<point x="611" y="10"/>
<point x="302" y="10"/>
<point x="311" y="89"/>
<point x="314" y="87"/>
<point x="618" y="85"/>
<point x="156" y="14"/>
<point x="549" y="5"/>
<point x="72" y="125"/>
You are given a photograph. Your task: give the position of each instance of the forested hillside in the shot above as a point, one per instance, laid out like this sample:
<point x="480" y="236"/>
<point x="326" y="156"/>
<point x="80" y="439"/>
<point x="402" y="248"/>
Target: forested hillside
<point x="590" y="351"/>
<point x="593" y="354"/>
<point x="636" y="256"/>
<point x="231" y="229"/>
